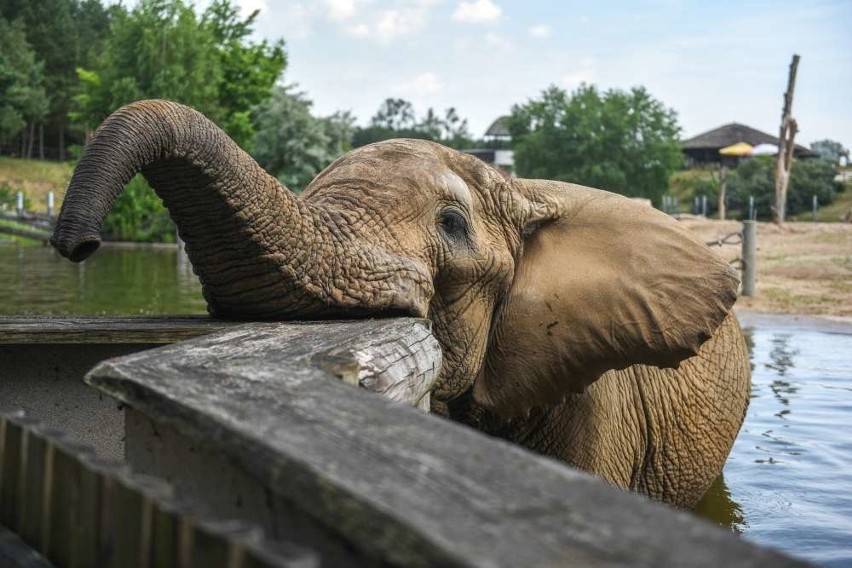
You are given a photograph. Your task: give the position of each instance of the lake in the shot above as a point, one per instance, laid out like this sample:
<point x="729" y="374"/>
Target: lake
<point x="787" y="483"/>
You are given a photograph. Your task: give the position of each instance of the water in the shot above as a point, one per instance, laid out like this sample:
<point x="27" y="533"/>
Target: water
<point x="114" y="281"/>
<point x="787" y="484"/>
<point x="788" y="481"/>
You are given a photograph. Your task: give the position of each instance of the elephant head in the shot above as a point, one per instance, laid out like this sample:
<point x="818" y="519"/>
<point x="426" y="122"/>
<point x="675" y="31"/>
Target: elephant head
<point x="534" y="288"/>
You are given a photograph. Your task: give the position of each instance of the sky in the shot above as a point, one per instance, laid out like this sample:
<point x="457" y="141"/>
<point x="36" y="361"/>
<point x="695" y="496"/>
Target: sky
<point x="713" y="62"/>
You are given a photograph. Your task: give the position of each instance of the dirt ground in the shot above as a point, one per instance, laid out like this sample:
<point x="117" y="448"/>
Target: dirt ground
<point x="802" y="268"/>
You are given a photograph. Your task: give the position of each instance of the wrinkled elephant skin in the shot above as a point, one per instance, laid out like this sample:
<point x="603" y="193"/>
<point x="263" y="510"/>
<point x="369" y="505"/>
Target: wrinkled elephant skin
<point x="576" y="322"/>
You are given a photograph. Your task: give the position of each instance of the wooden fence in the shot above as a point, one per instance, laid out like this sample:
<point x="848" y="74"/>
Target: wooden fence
<point x="250" y="445"/>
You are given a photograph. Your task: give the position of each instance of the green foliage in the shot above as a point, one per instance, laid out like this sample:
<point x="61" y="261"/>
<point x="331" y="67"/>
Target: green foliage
<point x="64" y="34"/>
<point x="163" y="49"/>
<point x="830" y="150"/>
<point x="291" y="143"/>
<point x="620" y="141"/>
<point x="22" y="96"/>
<point x="396" y="119"/>
<point x="139" y="215"/>
<point x="159" y="50"/>
<point x="756" y="177"/>
<point x="9" y="197"/>
<point x="249" y="70"/>
<point x="394" y="114"/>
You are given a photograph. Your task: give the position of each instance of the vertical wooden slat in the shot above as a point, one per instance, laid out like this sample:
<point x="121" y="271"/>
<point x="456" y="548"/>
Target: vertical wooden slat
<point x="10" y="474"/>
<point x="32" y="496"/>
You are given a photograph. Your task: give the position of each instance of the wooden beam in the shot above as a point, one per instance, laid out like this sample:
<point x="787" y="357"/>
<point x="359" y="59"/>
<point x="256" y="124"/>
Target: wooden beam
<point x="401" y="486"/>
<point x="105" y="330"/>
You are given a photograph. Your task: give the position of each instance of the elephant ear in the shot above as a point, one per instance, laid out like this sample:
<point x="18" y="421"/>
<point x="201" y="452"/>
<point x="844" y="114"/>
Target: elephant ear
<point x="604" y="282"/>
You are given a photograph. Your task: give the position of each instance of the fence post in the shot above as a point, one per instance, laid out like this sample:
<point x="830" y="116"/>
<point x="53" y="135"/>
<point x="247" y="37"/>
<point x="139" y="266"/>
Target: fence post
<point x="50" y="204"/>
<point x="704" y="206"/>
<point x="816" y="208"/>
<point x="751" y="215"/>
<point x="749" y="255"/>
<point x="19" y="204"/>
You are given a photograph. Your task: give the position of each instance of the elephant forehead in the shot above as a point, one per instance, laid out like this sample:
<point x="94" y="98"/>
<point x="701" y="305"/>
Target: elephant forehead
<point x="455" y="187"/>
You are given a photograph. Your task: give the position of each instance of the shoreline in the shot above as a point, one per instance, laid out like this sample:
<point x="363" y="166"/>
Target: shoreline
<point x="794" y="322"/>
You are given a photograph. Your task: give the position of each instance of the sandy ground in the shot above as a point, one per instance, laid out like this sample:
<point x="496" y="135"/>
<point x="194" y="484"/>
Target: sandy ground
<point x="802" y="268"/>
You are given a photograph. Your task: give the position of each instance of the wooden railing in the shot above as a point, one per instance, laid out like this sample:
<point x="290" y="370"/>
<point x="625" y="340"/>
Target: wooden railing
<point x="252" y="424"/>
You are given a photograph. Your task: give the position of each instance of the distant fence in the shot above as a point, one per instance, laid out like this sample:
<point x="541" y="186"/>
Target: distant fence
<point x="747" y="261"/>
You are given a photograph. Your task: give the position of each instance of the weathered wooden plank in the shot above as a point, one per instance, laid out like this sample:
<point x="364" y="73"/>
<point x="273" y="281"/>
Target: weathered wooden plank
<point x="15" y="553"/>
<point x="105" y="330"/>
<point x="402" y="486"/>
<point x="96" y="513"/>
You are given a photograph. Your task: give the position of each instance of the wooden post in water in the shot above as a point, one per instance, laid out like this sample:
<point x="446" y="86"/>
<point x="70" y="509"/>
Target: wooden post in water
<point x="749" y="257"/>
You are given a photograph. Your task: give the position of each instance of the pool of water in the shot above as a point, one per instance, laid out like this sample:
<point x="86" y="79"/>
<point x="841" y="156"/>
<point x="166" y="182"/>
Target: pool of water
<point x="117" y="280"/>
<point x="787" y="484"/>
<point x="788" y="481"/>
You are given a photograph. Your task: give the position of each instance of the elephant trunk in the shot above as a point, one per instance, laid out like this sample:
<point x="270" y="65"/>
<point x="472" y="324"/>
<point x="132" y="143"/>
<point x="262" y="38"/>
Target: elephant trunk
<point x="248" y="237"/>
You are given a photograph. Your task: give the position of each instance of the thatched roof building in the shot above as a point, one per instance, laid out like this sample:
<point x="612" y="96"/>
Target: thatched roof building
<point x="705" y="147"/>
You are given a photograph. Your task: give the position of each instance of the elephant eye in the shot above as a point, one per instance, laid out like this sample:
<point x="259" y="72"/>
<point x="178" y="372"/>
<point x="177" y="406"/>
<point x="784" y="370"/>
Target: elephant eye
<point x="453" y="223"/>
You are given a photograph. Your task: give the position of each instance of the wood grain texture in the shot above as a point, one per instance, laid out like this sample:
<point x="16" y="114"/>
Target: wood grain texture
<point x="100" y="329"/>
<point x="402" y="486"/>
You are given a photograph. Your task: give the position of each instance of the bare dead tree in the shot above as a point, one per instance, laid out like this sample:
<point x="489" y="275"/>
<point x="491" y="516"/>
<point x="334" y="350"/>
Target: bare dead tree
<point x="786" y="146"/>
<point x="723" y="191"/>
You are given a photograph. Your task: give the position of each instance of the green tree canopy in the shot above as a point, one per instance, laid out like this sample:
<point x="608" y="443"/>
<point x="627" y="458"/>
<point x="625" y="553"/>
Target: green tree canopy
<point x="248" y="70"/>
<point x="756" y="177"/>
<point x="396" y="119"/>
<point x="65" y="35"/>
<point x="830" y="150"/>
<point x="291" y="143"/>
<point x="163" y="49"/>
<point x="22" y="94"/>
<point x="621" y="141"/>
<point x="158" y="50"/>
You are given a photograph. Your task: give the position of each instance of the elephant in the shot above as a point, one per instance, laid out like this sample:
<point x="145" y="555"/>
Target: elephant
<point x="581" y="324"/>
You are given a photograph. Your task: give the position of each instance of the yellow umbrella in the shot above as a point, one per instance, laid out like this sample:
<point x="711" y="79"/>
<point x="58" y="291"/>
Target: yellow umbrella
<point x="738" y="149"/>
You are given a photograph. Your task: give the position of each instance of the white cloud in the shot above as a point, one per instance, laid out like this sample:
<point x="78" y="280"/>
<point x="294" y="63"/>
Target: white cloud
<point x="421" y="84"/>
<point x="541" y="30"/>
<point x="339" y="10"/>
<point x="496" y="40"/>
<point x="584" y="74"/>
<point x="359" y="30"/>
<point x="405" y="20"/>
<point x="249" y="6"/>
<point x="477" y="12"/>
<point x="298" y="21"/>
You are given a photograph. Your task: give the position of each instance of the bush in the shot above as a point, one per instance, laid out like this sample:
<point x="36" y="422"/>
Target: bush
<point x="9" y="198"/>
<point x="756" y="177"/>
<point x="139" y="215"/>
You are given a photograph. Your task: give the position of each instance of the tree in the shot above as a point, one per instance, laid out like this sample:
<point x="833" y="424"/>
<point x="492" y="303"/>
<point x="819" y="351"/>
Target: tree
<point x="249" y="70"/>
<point x="786" y="146"/>
<point x="625" y="142"/>
<point x="65" y="35"/>
<point x="23" y="99"/>
<point x="291" y="143"/>
<point x="396" y="119"/>
<point x="830" y="150"/>
<point x="455" y="133"/>
<point x="431" y="125"/>
<point x="159" y="50"/>
<point x="394" y="114"/>
<point x="755" y="178"/>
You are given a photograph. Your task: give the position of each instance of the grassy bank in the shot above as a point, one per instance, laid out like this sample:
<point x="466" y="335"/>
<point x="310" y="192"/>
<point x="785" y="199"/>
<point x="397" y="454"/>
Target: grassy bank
<point x="35" y="178"/>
